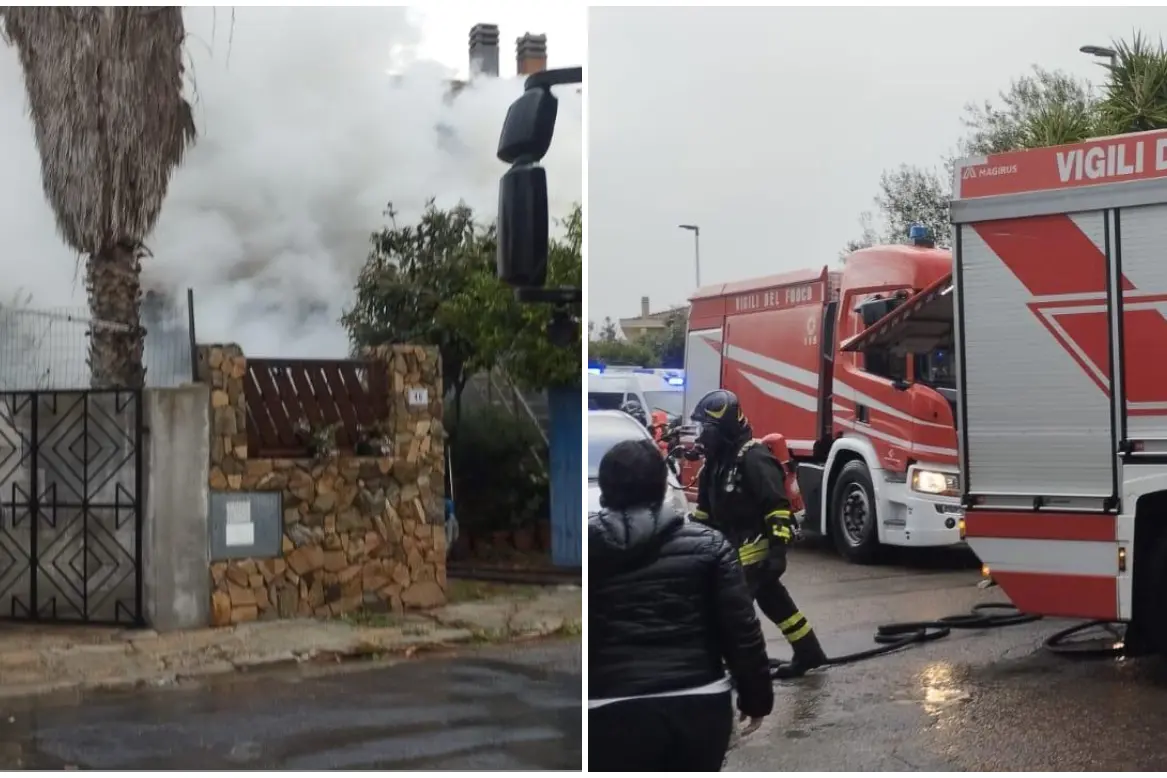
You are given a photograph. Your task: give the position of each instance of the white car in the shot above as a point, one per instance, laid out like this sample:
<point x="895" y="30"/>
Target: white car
<point x="605" y="430"/>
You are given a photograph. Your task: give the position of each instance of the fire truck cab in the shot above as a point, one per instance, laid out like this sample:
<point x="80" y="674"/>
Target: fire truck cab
<point x="1062" y="387"/>
<point x="868" y="419"/>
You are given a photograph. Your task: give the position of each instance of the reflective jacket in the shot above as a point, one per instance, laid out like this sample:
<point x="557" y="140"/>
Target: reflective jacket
<point x="744" y="496"/>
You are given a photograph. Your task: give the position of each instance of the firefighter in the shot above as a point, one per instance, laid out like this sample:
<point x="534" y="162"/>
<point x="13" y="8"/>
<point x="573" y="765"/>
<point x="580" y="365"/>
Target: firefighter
<point x="658" y="423"/>
<point x="636" y="411"/>
<point x="741" y="491"/>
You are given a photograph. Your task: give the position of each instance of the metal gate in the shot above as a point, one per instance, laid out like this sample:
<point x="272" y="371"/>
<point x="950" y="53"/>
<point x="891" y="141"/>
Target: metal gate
<point x="70" y="506"/>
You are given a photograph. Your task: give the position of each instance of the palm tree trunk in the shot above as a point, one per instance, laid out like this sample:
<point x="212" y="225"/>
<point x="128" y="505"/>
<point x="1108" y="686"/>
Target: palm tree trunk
<point x="116" y="338"/>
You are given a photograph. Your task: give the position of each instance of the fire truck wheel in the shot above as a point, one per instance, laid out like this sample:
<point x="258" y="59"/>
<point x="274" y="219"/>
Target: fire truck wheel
<point x="1151" y="607"/>
<point x="853" y="519"/>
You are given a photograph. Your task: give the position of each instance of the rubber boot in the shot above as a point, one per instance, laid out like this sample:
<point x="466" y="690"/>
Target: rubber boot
<point x="808" y="655"/>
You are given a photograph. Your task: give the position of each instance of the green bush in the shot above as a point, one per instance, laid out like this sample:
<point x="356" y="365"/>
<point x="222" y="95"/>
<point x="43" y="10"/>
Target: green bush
<point x="498" y="483"/>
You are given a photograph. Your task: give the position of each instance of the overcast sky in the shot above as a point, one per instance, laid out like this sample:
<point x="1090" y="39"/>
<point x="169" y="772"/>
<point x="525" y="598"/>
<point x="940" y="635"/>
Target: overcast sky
<point x="769" y="127"/>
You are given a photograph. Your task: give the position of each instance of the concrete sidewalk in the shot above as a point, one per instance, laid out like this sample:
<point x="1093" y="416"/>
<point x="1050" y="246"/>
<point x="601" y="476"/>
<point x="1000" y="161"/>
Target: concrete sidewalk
<point x="41" y="659"/>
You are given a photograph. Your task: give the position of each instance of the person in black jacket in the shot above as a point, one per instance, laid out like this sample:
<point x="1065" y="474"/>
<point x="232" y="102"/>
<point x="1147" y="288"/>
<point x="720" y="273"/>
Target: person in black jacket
<point x="742" y="492"/>
<point x="668" y="613"/>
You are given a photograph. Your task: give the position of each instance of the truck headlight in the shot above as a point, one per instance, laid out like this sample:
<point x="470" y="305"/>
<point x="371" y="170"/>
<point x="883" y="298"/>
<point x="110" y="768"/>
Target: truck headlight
<point x="934" y="482"/>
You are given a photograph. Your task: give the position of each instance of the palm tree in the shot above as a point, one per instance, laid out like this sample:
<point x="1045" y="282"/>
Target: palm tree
<point x="1135" y="95"/>
<point x="104" y="90"/>
<point x="1132" y="99"/>
<point x="1057" y="124"/>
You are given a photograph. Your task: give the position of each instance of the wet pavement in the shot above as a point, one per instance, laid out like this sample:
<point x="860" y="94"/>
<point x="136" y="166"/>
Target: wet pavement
<point x="978" y="700"/>
<point x="500" y="708"/>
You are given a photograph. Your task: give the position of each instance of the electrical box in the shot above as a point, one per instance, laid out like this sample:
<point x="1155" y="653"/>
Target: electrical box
<point x="246" y="524"/>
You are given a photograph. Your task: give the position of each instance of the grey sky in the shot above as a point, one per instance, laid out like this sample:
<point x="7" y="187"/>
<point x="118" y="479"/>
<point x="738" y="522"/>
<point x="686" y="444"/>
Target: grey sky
<point x="769" y="127"/>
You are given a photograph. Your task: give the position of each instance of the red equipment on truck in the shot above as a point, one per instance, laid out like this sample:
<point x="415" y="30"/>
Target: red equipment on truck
<point x="1062" y="290"/>
<point x="868" y="420"/>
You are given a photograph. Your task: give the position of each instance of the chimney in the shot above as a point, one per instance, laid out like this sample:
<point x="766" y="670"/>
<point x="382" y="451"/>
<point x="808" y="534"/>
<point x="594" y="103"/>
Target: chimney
<point x="530" y="54"/>
<point x="644" y="307"/>
<point x="484" y="50"/>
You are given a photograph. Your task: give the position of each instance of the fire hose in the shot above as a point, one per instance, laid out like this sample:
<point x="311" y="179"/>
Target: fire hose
<point x="989" y="615"/>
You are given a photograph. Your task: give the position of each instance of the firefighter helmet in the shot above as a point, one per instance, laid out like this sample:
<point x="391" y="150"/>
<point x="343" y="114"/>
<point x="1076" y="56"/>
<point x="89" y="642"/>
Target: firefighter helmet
<point x="636" y="411"/>
<point x="720" y="410"/>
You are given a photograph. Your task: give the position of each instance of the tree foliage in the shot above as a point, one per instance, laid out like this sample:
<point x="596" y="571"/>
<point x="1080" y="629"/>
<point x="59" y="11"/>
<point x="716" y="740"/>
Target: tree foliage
<point x="410" y="272"/>
<point x="658" y="348"/>
<point x="434" y="282"/>
<point x="515" y="336"/>
<point x="1134" y="97"/>
<point x="499" y="483"/>
<point x="1015" y="120"/>
<point x="911" y="195"/>
<point x="907" y="196"/>
<point x="621" y="352"/>
<point x="668" y="344"/>
<point x="1040" y="108"/>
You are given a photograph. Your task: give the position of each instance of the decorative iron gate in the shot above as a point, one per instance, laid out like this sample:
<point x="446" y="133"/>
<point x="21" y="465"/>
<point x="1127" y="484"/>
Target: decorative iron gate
<point x="70" y="506"/>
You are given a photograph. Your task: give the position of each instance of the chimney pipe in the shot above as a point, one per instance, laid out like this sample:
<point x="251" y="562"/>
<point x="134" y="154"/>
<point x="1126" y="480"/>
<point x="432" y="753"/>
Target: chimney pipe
<point x="484" y="50"/>
<point x="644" y="307"/>
<point x="530" y="54"/>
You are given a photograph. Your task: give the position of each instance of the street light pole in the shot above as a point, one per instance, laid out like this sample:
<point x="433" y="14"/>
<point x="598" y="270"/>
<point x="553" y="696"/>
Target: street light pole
<point x="1101" y="51"/>
<point x="696" y="248"/>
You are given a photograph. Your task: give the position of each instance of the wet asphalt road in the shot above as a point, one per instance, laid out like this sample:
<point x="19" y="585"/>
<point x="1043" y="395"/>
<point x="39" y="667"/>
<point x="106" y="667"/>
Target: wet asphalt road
<point x="980" y="700"/>
<point x="513" y="708"/>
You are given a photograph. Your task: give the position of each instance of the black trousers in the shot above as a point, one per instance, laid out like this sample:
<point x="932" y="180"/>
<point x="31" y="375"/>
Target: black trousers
<point x="765" y="582"/>
<point x="667" y="734"/>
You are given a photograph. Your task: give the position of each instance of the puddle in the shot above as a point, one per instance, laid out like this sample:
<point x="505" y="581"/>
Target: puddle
<point x="940" y="688"/>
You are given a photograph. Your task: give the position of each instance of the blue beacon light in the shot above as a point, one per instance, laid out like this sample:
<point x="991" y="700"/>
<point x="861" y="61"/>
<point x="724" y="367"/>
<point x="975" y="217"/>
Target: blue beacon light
<point x="920" y="235"/>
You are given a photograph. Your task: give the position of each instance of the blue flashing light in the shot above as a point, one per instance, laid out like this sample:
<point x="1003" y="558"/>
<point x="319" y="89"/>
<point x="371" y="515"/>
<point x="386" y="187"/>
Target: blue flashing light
<point x="595" y="370"/>
<point x="919" y="235"/>
<point x="675" y="381"/>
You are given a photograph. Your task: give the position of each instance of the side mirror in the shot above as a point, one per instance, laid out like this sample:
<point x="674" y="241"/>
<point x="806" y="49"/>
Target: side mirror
<point x="529" y="127"/>
<point x="523" y="226"/>
<point x="875" y="309"/>
<point x="522" y="195"/>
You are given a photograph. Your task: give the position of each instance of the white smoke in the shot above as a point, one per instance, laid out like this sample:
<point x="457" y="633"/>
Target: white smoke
<point x="304" y="138"/>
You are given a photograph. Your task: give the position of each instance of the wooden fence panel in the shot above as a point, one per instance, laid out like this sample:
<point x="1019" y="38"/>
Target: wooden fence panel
<point x="286" y="396"/>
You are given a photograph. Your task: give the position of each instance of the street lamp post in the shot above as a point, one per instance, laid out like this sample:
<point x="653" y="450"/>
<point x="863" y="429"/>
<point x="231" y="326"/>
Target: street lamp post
<point x="1101" y="51"/>
<point x="696" y="248"/>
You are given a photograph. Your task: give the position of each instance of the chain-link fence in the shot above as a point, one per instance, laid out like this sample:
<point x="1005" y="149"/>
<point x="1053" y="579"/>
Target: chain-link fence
<point x="49" y="348"/>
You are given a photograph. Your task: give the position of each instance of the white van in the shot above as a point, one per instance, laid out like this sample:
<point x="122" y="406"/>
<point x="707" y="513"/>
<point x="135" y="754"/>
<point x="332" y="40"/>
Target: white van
<point x="655" y="389"/>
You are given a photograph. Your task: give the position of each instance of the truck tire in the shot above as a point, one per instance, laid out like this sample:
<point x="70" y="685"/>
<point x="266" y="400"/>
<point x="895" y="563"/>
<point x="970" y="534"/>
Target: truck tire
<point x="854" y="523"/>
<point x="1151" y="601"/>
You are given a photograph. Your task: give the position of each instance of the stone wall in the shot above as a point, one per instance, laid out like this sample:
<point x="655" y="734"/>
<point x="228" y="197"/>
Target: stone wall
<point x="358" y="532"/>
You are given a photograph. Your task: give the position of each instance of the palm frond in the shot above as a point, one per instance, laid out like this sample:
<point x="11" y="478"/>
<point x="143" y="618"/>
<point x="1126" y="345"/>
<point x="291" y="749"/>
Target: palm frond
<point x="104" y="87"/>
<point x="1055" y="125"/>
<point x="1135" y="97"/>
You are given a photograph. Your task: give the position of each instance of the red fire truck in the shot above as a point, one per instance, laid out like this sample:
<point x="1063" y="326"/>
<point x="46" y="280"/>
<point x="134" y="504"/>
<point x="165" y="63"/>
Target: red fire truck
<point x="1061" y="273"/>
<point x="868" y="419"/>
